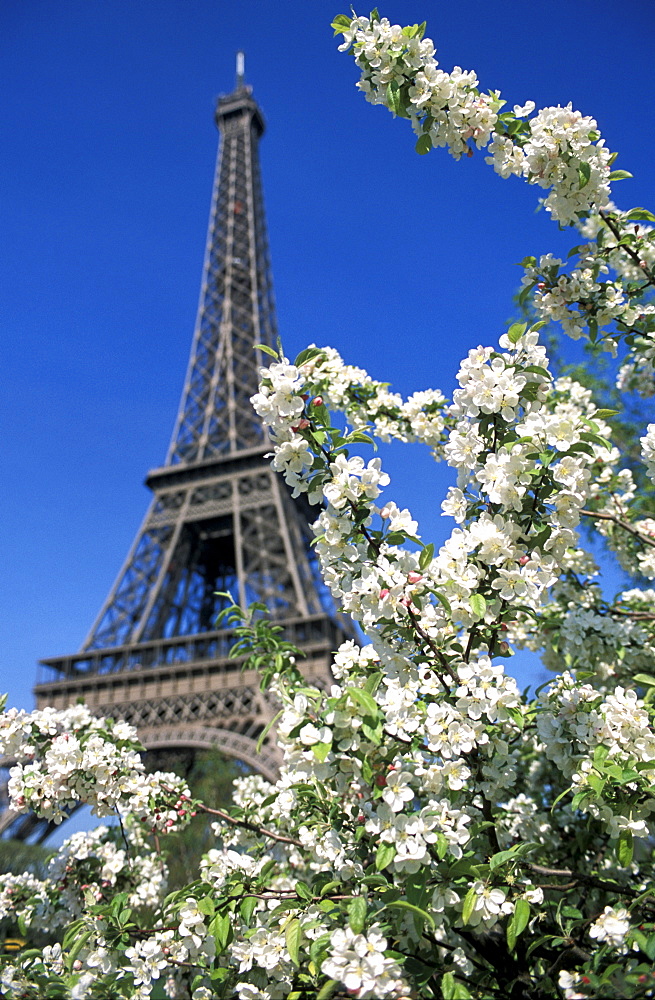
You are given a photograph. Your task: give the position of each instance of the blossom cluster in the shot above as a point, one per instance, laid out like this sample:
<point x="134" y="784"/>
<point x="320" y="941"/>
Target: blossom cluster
<point x="65" y="758"/>
<point x="587" y="735"/>
<point x="394" y="61"/>
<point x="605" y="294"/>
<point x="558" y="149"/>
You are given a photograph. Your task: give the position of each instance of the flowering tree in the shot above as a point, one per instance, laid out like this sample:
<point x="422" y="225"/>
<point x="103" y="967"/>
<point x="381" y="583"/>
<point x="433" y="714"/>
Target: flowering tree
<point x="433" y="832"/>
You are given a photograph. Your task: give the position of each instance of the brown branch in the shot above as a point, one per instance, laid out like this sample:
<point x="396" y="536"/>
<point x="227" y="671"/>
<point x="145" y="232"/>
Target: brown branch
<point x="632" y="254"/>
<point x="579" y="878"/>
<point x="420" y="631"/>
<point x="621" y="524"/>
<point x="254" y="828"/>
<point x="638" y="616"/>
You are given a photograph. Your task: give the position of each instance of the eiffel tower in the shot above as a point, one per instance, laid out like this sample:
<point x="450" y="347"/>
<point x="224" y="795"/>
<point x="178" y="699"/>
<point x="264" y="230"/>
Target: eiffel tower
<point x="220" y="520"/>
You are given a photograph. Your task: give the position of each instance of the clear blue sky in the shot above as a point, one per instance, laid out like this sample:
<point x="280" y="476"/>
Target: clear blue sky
<point x="402" y="262"/>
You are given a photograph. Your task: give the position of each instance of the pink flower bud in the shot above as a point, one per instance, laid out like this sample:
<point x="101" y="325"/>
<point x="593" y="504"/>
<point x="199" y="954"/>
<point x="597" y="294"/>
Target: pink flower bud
<point x="384" y="593"/>
<point x="414" y="577"/>
<point x="317" y="401"/>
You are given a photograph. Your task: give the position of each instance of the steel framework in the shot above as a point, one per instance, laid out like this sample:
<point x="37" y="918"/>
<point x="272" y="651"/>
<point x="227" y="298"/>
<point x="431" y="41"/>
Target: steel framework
<point x="220" y="520"/>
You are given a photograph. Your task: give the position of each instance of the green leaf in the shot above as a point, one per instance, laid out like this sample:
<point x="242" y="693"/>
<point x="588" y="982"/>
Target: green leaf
<point x="340" y="24"/>
<point x="596" y="782"/>
<point x="267" y="728"/>
<point x="584" y="173"/>
<point x="500" y="858"/>
<point x="221" y="930"/>
<point x="292" y="936"/>
<point x="519" y="921"/>
<point x="364" y="699"/>
<point x="373" y="681"/>
<point x="600" y="755"/>
<point x="321" y="750"/>
<point x="402" y="904"/>
<point x="620" y="175"/>
<point x="267" y="350"/>
<point x="372" y="733"/>
<point x="393" y="97"/>
<point x="327" y="989"/>
<point x="395" y="538"/>
<point x="625" y="848"/>
<point x="469" y="905"/>
<point x="357" y="914"/>
<point x="303" y="891"/>
<point x="478" y="605"/>
<point x="448" y="986"/>
<point x="605" y="414"/>
<point x="443" y="601"/>
<point x="442" y="846"/>
<point x="596" y="438"/>
<point x="206" y="906"/>
<point x="516" y="331"/>
<point x="329" y="887"/>
<point x="424" y="144"/>
<point x="247" y="908"/>
<point x="77" y="947"/>
<point x="646" y="679"/>
<point x="426" y="556"/>
<point x="646" y="944"/>
<point x="308" y="354"/>
<point x="384" y="855"/>
<point x="72" y="931"/>
<point x="639" y="214"/>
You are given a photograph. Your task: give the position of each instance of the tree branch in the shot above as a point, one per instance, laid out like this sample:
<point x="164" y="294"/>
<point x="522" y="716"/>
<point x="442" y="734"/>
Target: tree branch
<point x="621" y="524"/>
<point x="253" y="827"/>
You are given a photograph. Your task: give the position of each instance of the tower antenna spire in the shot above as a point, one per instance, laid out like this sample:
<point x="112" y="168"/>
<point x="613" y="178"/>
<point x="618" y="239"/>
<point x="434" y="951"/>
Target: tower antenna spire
<point x="241" y="66"/>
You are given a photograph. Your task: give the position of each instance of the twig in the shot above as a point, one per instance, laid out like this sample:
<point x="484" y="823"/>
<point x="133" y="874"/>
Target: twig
<point x="248" y="826"/>
<point x="420" y="631"/>
<point x="579" y="878"/>
<point x="634" y="256"/>
<point x="621" y="524"/>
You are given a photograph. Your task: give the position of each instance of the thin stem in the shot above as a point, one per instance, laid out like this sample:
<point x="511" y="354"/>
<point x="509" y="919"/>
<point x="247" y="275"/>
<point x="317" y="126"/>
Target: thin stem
<point x="621" y="524"/>
<point x="632" y="254"/>
<point x="579" y="878"/>
<point x="253" y="827"/>
<point x="420" y="631"/>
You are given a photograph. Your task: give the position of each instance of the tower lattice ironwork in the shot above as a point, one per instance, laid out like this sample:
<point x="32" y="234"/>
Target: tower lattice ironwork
<point x="220" y="521"/>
